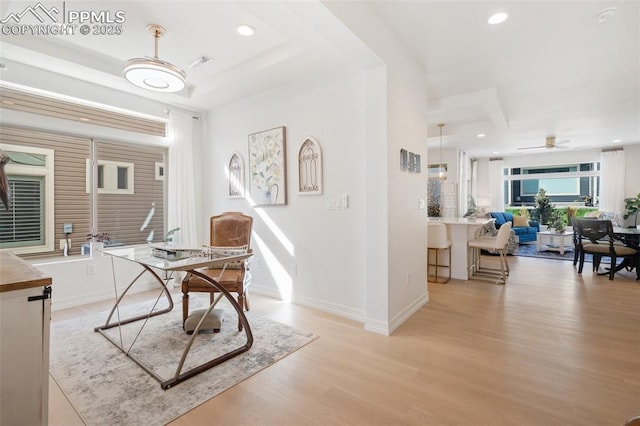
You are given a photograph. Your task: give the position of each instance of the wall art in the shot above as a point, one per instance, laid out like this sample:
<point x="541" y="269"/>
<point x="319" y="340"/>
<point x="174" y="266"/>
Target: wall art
<point x="310" y="167"/>
<point x="235" y="176"/>
<point x="267" y="169"/>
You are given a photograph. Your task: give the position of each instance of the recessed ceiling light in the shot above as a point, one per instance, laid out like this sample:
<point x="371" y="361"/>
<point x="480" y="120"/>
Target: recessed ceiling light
<point x="481" y="135"/>
<point x="496" y="152"/>
<point x="616" y="141"/>
<point x="498" y="18"/>
<point x="245" y="30"/>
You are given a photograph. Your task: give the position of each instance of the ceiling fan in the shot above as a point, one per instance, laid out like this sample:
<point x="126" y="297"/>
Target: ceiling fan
<point x="550" y="143"/>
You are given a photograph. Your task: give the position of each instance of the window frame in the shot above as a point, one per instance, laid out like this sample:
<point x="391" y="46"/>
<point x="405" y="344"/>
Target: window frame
<point x="47" y="173"/>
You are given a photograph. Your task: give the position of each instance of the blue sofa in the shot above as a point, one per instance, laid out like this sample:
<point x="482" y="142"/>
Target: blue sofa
<point x="525" y="234"/>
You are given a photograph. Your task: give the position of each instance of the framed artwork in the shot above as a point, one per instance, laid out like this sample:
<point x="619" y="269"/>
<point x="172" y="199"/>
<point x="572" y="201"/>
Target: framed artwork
<point x="235" y="176"/>
<point x="412" y="162"/>
<point x="267" y="169"/>
<point x="310" y="167"/>
<point x="404" y="160"/>
<point x="417" y="167"/>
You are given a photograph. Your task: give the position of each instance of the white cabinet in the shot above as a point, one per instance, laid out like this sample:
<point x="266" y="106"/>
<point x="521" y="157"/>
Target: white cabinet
<point x="24" y="343"/>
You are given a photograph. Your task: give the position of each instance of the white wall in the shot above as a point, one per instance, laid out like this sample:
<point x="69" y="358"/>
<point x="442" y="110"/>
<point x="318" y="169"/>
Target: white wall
<point x="632" y="156"/>
<point x="327" y="246"/>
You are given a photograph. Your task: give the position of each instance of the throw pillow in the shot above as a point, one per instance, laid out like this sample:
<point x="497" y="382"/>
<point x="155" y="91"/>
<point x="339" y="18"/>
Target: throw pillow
<point x="520" y="221"/>
<point x="229" y="251"/>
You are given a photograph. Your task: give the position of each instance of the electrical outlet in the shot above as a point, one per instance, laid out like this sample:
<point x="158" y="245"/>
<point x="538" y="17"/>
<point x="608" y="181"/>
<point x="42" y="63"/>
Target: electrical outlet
<point x="91" y="269"/>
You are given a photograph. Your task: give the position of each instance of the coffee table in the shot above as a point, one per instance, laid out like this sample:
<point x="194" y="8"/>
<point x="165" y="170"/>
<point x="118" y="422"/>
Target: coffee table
<point x="554" y="241"/>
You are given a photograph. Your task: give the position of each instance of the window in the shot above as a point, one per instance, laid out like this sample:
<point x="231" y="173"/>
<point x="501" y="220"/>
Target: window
<point x="113" y="177"/>
<point x="28" y="225"/>
<point x="564" y="184"/>
<point x="129" y="192"/>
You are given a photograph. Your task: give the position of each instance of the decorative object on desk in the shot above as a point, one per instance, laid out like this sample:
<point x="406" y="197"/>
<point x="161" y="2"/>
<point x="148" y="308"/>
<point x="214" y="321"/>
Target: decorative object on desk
<point x="235" y="176"/>
<point x="169" y="235"/>
<point x="267" y="167"/>
<point x="119" y="392"/>
<point x="404" y="159"/>
<point x="310" y="167"/>
<point x="5" y="190"/>
<point x="543" y="209"/>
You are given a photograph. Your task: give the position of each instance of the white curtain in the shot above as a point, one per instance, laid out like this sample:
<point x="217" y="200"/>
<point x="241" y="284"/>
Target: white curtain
<point x="612" y="181"/>
<point x="181" y="199"/>
<point x="496" y="184"/>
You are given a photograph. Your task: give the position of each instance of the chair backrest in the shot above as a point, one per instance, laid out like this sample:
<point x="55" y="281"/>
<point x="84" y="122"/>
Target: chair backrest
<point x="503" y="235"/>
<point x="437" y="235"/>
<point x="231" y="229"/>
<point x="594" y="229"/>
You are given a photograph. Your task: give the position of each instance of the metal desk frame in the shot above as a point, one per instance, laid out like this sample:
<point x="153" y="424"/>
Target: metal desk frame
<point x="142" y="256"/>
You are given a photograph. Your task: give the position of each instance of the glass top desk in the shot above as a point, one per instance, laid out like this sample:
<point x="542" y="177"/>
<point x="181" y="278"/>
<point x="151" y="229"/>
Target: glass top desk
<point x="189" y="260"/>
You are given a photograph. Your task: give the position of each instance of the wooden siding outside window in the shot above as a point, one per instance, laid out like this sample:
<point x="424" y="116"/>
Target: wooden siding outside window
<point x="119" y="215"/>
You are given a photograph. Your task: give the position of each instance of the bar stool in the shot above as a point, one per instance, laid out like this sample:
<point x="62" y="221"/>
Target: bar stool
<point x="437" y="240"/>
<point x="497" y="243"/>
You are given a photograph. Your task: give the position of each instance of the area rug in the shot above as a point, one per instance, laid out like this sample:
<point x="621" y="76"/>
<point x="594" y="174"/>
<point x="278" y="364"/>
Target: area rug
<point x="529" y="250"/>
<point x="108" y="388"/>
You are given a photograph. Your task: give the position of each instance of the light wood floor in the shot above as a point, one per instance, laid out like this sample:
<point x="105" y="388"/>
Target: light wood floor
<point x="549" y="348"/>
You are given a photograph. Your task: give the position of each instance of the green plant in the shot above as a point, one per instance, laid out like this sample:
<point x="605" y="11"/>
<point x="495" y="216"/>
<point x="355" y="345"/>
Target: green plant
<point x="543" y="209"/>
<point x="631" y="206"/>
<point x="556" y="220"/>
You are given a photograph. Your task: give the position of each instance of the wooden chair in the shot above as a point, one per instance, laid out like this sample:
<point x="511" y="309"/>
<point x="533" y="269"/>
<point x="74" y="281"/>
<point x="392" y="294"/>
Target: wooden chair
<point x="230" y="229"/>
<point x="596" y="237"/>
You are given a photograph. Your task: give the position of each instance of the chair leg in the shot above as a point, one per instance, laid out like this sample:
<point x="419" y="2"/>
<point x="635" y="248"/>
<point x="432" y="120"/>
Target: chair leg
<point x="612" y="270"/>
<point x="185" y="307"/>
<point x="581" y="265"/>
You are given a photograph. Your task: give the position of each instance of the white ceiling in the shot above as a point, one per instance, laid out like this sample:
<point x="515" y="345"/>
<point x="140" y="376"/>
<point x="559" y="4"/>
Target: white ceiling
<point x="550" y="69"/>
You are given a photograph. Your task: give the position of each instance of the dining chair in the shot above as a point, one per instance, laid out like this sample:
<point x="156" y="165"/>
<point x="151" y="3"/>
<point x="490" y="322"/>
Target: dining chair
<point x="597" y="238"/>
<point x="498" y="244"/>
<point x="229" y="232"/>
<point x="437" y="241"/>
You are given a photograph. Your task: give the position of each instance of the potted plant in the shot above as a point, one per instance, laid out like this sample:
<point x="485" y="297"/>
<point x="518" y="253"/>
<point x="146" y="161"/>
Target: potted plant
<point x="631" y="209"/>
<point x="543" y="209"/>
<point x="97" y="241"/>
<point x="556" y="221"/>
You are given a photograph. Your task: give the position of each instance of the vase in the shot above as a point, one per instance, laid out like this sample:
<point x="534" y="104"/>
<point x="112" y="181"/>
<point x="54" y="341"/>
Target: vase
<point x="266" y="195"/>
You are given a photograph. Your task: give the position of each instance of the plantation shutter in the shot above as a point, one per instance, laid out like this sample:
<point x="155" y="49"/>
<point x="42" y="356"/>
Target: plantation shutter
<point x="23" y="225"/>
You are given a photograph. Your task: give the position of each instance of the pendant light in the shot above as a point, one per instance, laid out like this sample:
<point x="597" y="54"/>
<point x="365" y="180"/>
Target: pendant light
<point x="441" y="172"/>
<point x="154" y="73"/>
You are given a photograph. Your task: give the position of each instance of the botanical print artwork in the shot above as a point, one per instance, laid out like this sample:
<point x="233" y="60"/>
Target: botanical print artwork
<point x="267" y="167"/>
